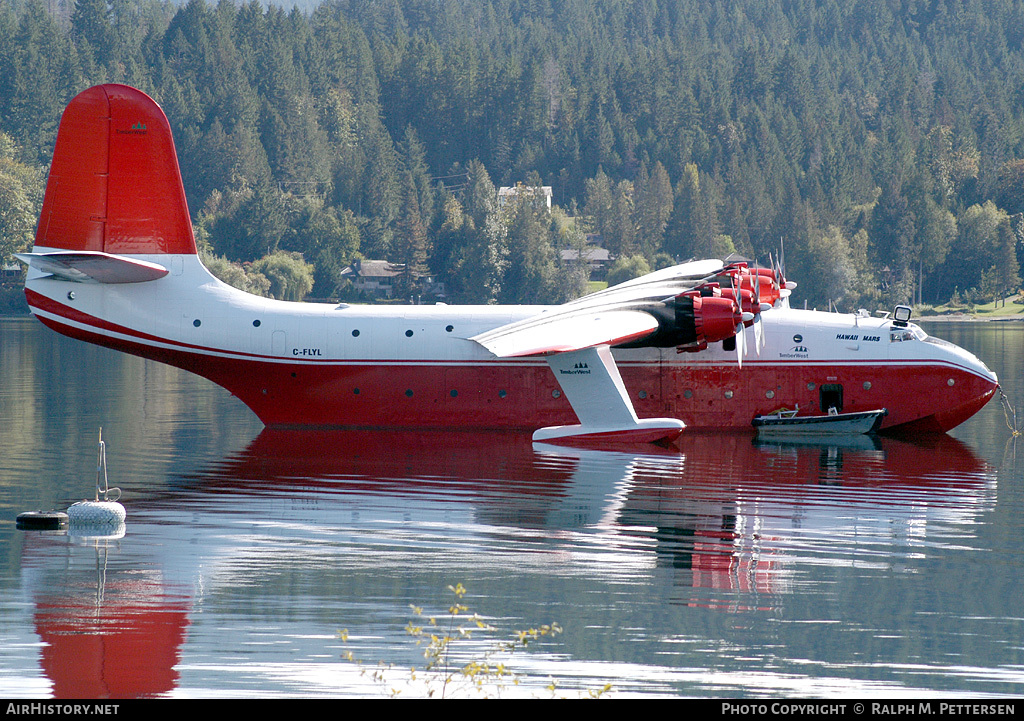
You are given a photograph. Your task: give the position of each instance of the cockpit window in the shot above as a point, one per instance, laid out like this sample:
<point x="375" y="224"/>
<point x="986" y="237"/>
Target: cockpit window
<point x="899" y="335"/>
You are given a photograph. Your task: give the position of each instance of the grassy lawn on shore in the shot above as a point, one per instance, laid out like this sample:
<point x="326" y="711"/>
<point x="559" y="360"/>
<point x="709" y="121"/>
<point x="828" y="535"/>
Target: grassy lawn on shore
<point x="1012" y="306"/>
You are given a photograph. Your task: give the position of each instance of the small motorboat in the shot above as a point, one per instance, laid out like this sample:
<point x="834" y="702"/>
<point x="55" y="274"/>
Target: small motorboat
<point x="786" y="421"/>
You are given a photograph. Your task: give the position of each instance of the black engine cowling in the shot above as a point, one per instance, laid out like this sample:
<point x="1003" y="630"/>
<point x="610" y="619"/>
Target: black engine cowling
<point x="691" y="321"/>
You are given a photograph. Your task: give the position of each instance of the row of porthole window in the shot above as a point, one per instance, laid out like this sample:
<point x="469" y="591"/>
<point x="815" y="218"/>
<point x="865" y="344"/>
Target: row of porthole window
<point x="196" y="323"/>
<point x="642" y="394"/>
<point x="355" y="333"/>
<point x="768" y="394"/>
<point x="408" y="333"/>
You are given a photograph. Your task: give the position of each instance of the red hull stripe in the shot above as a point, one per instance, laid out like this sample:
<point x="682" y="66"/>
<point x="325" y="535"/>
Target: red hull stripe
<point x="48" y="305"/>
<point x="42" y="303"/>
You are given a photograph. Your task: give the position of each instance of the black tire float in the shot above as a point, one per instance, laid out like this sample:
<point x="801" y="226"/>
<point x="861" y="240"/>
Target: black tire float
<point x="42" y="520"/>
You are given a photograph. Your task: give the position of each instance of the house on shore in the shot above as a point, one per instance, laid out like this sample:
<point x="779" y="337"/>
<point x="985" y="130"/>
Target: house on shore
<point x="374" y="278"/>
<point x="508" y="194"/>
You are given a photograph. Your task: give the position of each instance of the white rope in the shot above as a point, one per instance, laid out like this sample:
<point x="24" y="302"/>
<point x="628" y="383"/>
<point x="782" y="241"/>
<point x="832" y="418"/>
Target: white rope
<point x="1009" y="411"/>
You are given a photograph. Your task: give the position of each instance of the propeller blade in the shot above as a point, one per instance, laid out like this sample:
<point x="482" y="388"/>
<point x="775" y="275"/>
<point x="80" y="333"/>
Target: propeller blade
<point x="762" y="307"/>
<point x="741" y="344"/>
<point x="782" y="260"/>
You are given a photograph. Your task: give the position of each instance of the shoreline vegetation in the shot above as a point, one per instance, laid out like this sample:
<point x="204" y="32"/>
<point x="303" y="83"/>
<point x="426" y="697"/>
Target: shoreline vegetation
<point x="1005" y="309"/>
<point x="880" y="141"/>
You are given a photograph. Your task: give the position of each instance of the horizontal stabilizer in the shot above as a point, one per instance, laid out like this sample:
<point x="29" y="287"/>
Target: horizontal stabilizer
<point x="88" y="266"/>
<point x="565" y="332"/>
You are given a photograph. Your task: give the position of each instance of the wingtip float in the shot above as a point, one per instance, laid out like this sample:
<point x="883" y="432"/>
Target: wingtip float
<point x="115" y="264"/>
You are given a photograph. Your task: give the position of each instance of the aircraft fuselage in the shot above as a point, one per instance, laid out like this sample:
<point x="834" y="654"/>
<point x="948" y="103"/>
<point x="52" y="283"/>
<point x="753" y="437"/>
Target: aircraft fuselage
<point x="368" y="366"/>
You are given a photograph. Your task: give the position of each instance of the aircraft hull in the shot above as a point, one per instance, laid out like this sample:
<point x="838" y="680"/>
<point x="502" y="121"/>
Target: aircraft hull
<point x="713" y="393"/>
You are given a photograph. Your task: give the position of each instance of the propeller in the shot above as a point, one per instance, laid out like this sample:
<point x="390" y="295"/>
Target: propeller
<point x="741" y="336"/>
<point x="741" y="345"/>
<point x="746" y="317"/>
<point x="758" y="328"/>
<point x="786" y="287"/>
<point x="752" y="291"/>
<point x="736" y="295"/>
<point x="746" y="286"/>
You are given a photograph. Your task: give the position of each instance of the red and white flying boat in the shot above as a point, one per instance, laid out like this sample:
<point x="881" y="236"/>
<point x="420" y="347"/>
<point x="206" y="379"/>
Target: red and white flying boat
<point x="115" y="263"/>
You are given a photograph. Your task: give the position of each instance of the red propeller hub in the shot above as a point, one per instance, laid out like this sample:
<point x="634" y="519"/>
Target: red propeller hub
<point x="745" y="301"/>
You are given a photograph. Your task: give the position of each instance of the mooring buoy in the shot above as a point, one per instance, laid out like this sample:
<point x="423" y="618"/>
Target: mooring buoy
<point x="106" y="512"/>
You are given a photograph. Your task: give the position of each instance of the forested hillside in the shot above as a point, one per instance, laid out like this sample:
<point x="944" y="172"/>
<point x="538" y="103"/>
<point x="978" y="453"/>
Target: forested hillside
<point x="880" y="141"/>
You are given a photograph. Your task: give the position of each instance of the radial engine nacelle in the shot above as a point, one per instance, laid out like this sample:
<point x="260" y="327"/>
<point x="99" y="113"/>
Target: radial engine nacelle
<point x="693" y="319"/>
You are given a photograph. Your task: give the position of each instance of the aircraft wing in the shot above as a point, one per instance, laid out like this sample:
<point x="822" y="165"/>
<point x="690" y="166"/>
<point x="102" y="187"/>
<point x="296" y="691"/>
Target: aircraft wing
<point x="609" y="317"/>
<point x="87" y="266"/>
<point x="661" y="284"/>
<point x="561" y="332"/>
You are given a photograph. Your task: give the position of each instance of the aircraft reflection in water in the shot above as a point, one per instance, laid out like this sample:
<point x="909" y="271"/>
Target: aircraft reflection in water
<point x="727" y="518"/>
<point x="116" y="635"/>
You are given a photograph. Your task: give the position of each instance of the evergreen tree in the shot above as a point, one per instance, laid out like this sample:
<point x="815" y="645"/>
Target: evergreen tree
<point x="21" y="189"/>
<point x="654" y="204"/>
<point x="894" y="239"/>
<point x="91" y="22"/>
<point x="530" y="274"/>
<point x="411" y="243"/>
<point x="759" y="115"/>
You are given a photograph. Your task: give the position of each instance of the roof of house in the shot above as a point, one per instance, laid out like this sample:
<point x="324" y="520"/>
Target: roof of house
<point x="512" y="190"/>
<point x="372" y="269"/>
<point x="593" y="254"/>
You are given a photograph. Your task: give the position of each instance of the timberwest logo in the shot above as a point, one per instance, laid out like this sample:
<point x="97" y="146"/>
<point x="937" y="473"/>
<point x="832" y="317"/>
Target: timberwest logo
<point x="580" y="369"/>
<point x="137" y="129"/>
<point x="797" y="351"/>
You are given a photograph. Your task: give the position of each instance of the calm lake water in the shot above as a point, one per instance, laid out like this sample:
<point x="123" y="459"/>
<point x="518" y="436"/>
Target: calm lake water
<point x="723" y="567"/>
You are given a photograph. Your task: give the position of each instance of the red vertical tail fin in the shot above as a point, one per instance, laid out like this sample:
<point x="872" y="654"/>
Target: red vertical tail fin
<point x="114" y="183"/>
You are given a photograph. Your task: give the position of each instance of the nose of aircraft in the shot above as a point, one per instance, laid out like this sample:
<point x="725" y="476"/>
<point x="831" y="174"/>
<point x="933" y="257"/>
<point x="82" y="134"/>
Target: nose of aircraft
<point x="973" y="363"/>
<point x="975" y="386"/>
